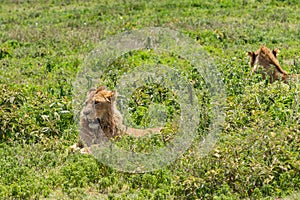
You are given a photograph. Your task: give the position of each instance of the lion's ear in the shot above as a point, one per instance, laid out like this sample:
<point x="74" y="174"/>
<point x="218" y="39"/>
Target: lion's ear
<point x="250" y="53"/>
<point x="100" y="88"/>
<point x="275" y="52"/>
<point x="113" y="95"/>
<point x="110" y="96"/>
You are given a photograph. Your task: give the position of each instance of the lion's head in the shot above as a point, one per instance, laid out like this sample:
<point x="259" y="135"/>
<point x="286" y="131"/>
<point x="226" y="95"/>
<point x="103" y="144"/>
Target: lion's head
<point x="99" y="117"/>
<point x="98" y="103"/>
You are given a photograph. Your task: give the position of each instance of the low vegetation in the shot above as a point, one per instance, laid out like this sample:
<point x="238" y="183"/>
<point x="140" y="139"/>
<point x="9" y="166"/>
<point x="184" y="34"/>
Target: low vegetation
<point x="43" y="45"/>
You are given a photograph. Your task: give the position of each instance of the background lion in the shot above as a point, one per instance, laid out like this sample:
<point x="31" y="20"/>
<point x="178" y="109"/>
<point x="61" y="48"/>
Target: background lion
<point x="265" y="61"/>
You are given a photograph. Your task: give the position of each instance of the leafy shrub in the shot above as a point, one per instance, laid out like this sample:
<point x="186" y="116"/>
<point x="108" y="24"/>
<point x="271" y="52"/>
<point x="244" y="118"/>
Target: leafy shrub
<point x="27" y="113"/>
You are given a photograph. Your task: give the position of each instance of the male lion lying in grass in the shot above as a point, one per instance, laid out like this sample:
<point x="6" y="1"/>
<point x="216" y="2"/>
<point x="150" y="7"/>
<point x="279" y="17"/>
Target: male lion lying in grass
<point x="100" y="120"/>
<point x="267" y="60"/>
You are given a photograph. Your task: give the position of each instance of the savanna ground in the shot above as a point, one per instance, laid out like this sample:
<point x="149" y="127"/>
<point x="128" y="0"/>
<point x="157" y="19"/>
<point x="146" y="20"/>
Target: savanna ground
<point x="43" y="45"/>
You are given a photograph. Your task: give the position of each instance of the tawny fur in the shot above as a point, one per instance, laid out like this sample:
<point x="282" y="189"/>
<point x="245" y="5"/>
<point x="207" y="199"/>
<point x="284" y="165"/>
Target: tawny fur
<point x="100" y="119"/>
<point x="267" y="60"/>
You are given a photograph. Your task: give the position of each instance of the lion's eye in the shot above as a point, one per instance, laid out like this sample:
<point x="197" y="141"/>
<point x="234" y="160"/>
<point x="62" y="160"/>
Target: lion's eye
<point x="97" y="102"/>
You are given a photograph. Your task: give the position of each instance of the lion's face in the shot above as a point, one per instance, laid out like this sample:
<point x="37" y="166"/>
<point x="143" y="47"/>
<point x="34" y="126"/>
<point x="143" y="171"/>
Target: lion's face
<point x="97" y="104"/>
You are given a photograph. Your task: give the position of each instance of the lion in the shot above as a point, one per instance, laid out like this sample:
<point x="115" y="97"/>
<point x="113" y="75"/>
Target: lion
<point x="271" y="68"/>
<point x="100" y="120"/>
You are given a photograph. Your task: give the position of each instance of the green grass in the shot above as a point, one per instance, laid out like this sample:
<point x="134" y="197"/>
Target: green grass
<point x="43" y="45"/>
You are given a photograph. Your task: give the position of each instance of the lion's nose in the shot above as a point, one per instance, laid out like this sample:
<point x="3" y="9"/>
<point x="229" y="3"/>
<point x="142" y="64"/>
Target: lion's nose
<point x="86" y="112"/>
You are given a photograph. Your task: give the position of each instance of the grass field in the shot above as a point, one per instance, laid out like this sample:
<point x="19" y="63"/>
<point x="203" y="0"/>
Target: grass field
<point x="43" y="45"/>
